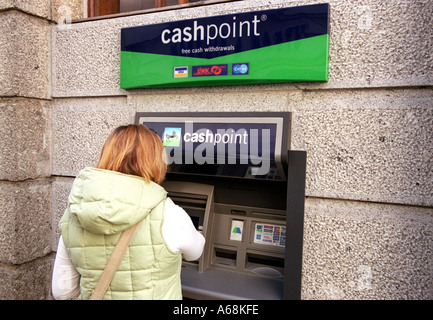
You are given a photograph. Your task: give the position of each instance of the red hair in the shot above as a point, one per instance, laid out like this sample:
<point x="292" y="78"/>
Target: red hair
<point x="134" y="150"/>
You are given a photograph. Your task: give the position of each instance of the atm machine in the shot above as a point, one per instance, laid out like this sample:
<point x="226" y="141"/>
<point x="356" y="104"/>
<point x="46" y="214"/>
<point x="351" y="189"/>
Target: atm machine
<point x="243" y="188"/>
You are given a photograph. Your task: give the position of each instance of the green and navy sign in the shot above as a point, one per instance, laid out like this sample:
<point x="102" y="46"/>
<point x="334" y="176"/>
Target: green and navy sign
<point x="277" y="45"/>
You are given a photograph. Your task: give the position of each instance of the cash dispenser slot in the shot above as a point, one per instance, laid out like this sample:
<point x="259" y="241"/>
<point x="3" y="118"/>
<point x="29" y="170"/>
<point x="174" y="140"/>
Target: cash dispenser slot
<point x="265" y="265"/>
<point x="224" y="256"/>
<point x="252" y="222"/>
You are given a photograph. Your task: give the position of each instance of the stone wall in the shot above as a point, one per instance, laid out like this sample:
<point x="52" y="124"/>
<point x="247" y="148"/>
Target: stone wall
<point x="367" y="132"/>
<point x="26" y="223"/>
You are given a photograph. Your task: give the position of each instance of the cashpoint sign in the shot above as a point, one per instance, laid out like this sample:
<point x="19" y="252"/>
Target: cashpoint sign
<point x="234" y="175"/>
<point x="268" y="46"/>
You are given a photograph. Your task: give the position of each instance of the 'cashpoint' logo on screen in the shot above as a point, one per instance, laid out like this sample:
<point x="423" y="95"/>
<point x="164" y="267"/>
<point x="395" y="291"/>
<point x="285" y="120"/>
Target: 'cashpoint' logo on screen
<point x="251" y="147"/>
<point x="172" y="137"/>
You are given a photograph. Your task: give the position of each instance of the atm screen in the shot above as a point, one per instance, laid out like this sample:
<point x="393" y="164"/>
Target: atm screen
<point x="241" y="146"/>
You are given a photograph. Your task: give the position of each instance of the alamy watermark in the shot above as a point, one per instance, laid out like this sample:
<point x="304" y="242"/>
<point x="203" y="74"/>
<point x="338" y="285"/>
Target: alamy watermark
<point x="225" y="146"/>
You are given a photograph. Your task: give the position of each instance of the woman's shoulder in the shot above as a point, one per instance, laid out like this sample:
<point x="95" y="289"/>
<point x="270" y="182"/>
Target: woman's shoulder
<point x="174" y="211"/>
<point x="171" y="206"/>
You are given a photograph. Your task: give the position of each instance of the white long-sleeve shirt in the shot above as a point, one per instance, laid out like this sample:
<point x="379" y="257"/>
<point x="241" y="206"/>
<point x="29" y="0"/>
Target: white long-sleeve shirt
<point x="178" y="232"/>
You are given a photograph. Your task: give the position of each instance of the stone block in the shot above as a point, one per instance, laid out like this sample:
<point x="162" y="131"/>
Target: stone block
<point x="60" y="192"/>
<point x="382" y="43"/>
<point x="215" y="99"/>
<point x="25" y="221"/>
<point x="370" y="145"/>
<point x="355" y="250"/>
<point x="25" y="55"/>
<point x="29" y="281"/>
<point x="26" y="139"/>
<point x="80" y="128"/>
<point x="25" y="63"/>
<point x="39" y="8"/>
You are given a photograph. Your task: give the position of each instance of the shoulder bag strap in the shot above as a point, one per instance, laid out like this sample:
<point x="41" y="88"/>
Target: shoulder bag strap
<point x="114" y="262"/>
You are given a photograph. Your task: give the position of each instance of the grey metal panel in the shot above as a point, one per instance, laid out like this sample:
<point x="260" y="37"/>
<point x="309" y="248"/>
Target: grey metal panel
<point x="295" y="224"/>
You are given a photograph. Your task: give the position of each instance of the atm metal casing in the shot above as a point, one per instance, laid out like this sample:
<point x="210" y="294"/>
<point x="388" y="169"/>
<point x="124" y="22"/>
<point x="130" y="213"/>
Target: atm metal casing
<point x="234" y="210"/>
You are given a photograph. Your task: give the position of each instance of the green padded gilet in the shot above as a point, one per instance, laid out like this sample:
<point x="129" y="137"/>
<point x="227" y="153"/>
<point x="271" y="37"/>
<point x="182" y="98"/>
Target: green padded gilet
<point x="101" y="205"/>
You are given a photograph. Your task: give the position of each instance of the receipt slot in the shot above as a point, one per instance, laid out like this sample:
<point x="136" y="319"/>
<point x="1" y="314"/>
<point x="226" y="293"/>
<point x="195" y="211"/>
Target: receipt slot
<point x="243" y="188"/>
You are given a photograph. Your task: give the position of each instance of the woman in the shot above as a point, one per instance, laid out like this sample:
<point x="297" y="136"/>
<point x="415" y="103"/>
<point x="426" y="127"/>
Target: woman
<point x="121" y="191"/>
